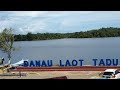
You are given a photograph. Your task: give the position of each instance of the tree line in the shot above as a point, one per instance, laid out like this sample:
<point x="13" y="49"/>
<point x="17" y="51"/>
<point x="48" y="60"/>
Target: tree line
<point x="96" y="33"/>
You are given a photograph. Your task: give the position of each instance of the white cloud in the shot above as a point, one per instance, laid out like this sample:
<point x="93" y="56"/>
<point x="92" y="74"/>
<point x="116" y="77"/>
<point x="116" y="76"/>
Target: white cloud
<point x="34" y="27"/>
<point x="27" y="13"/>
<point x="56" y="21"/>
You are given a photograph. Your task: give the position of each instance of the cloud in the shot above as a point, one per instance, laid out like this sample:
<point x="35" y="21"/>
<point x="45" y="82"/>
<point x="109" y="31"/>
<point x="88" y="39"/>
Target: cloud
<point x="34" y="26"/>
<point x="57" y="21"/>
<point x="27" y="13"/>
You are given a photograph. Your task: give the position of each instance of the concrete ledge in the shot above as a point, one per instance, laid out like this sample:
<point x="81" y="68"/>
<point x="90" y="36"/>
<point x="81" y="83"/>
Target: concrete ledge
<point x="68" y="68"/>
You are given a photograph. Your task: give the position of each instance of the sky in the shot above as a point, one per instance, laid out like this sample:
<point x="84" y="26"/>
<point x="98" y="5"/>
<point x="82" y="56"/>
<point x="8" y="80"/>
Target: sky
<point x="23" y="22"/>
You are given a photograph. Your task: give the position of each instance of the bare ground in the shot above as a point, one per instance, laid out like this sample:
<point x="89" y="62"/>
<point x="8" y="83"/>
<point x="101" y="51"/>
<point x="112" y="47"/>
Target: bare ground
<point x="51" y="74"/>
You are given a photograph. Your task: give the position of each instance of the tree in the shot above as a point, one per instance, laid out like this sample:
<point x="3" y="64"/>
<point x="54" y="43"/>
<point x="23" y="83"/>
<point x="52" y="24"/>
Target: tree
<point x="6" y="42"/>
<point x="29" y="36"/>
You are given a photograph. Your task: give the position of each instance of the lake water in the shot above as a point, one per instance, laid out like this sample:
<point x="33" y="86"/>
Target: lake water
<point x="67" y="49"/>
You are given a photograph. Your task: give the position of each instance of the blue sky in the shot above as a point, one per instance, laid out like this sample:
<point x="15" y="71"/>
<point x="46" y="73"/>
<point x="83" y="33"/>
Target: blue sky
<point x="57" y="21"/>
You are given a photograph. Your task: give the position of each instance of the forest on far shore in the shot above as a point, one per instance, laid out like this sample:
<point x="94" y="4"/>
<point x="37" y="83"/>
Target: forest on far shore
<point x="96" y="33"/>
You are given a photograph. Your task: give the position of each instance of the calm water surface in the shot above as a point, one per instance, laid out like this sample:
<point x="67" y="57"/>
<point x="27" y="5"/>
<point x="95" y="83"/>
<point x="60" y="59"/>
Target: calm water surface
<point x="67" y="49"/>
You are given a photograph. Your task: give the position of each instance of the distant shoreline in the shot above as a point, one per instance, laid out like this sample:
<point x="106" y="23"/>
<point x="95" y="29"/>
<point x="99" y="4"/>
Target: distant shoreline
<point x="96" y="33"/>
<point x="73" y="38"/>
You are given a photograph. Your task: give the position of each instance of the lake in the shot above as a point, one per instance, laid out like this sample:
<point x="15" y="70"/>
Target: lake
<point x="67" y="49"/>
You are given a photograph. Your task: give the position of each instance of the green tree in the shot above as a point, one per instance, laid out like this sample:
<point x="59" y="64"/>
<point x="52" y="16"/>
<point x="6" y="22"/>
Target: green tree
<point x="94" y="33"/>
<point x="6" y="42"/>
<point x="29" y="36"/>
